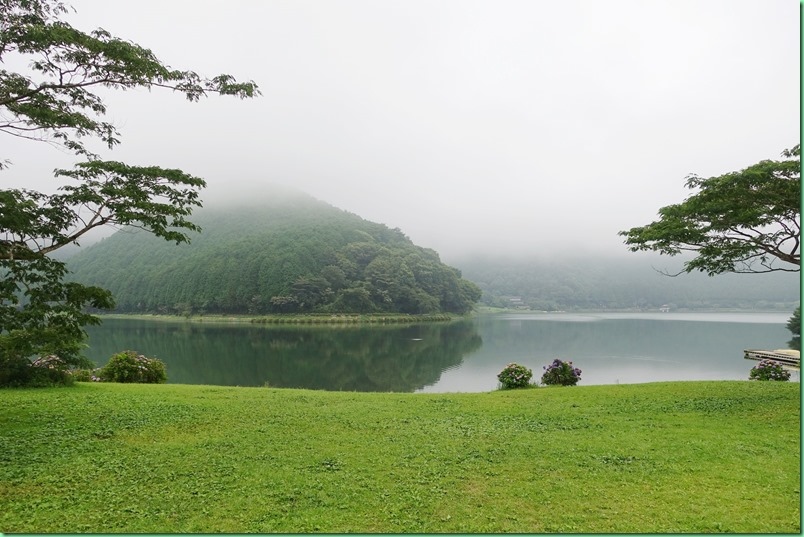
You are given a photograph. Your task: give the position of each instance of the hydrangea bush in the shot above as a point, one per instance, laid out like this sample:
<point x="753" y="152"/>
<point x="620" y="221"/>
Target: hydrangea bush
<point x="51" y="362"/>
<point x="46" y="371"/>
<point x="129" y="366"/>
<point x="769" y="370"/>
<point x="514" y="376"/>
<point x="561" y="373"/>
<point x="86" y="375"/>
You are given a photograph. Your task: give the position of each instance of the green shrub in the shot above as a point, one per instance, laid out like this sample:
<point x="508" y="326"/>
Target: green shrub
<point x="561" y="373"/>
<point x="514" y="376"/>
<point x="13" y="371"/>
<point x="50" y="371"/>
<point x="44" y="372"/>
<point x="85" y="375"/>
<point x="129" y="366"/>
<point x="769" y="370"/>
<point x="81" y="375"/>
<point x="794" y="323"/>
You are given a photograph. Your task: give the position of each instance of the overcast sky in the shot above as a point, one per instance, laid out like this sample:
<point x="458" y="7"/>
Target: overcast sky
<point x="495" y="126"/>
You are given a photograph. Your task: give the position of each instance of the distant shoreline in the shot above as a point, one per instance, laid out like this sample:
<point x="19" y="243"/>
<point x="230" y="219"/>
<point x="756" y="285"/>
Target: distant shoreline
<point x="311" y="318"/>
<point x="489" y="309"/>
<point x="389" y="318"/>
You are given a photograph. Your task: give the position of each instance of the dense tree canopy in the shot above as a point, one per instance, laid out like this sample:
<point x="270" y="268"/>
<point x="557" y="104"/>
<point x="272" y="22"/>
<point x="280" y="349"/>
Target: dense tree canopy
<point x="55" y="100"/>
<point x="281" y="255"/>
<point x="746" y="221"/>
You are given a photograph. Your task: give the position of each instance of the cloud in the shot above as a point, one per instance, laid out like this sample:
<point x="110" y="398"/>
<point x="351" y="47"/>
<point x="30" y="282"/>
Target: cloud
<point x="491" y="126"/>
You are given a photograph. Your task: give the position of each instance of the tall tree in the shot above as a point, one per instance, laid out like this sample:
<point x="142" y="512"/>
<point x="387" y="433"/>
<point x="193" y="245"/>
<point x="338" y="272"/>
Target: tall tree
<point x="56" y="101"/>
<point x="745" y="222"/>
<point x="794" y="323"/>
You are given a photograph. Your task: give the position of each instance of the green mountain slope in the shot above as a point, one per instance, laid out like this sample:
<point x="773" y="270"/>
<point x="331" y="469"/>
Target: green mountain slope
<point x="622" y="282"/>
<point x="293" y="254"/>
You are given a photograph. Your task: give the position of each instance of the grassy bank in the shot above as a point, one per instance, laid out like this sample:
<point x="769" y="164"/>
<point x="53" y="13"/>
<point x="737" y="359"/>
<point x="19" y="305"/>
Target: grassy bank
<point x="666" y="457"/>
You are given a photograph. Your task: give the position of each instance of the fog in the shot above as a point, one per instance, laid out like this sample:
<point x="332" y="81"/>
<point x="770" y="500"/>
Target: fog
<point x="496" y="127"/>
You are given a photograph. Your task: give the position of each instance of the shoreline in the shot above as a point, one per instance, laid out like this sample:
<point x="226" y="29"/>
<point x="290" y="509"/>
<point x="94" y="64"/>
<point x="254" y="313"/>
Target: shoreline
<point x="390" y="318"/>
<point x="309" y="318"/>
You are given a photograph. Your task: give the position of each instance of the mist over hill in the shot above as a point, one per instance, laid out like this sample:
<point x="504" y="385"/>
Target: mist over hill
<point x="284" y="251"/>
<point x="290" y="254"/>
<point x="625" y="281"/>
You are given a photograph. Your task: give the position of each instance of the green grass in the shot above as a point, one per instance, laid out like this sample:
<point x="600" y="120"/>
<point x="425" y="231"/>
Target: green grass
<point x="665" y="457"/>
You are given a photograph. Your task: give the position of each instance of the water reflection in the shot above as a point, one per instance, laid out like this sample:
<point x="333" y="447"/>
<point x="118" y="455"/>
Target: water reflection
<point x="463" y="356"/>
<point x="398" y="358"/>
<point x="619" y="348"/>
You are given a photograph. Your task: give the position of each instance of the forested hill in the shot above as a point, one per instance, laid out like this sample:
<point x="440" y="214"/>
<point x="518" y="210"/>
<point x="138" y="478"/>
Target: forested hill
<point x="627" y="281"/>
<point x="294" y="254"/>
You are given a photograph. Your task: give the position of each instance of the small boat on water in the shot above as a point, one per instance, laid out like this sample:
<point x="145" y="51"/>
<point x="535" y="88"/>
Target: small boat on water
<point x="786" y="357"/>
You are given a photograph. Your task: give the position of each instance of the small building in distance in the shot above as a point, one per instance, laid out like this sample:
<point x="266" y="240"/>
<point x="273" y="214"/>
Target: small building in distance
<point x="516" y="302"/>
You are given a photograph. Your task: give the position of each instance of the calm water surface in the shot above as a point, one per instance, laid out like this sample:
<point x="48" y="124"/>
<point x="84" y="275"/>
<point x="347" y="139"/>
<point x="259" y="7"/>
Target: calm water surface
<point x="461" y="356"/>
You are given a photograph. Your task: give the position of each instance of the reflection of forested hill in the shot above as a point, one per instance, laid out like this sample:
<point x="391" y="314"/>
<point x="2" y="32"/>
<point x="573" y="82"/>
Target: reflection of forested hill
<point x="354" y="358"/>
<point x="294" y="254"/>
<point x="626" y="282"/>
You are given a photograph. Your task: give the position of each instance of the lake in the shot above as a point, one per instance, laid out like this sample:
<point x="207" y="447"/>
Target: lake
<point x="459" y="356"/>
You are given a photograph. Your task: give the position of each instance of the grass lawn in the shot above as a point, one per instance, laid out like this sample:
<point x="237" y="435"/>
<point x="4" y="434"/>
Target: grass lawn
<point x="665" y="457"/>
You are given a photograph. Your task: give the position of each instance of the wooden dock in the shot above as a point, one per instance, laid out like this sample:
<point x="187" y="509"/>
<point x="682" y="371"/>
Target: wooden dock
<point x="785" y="357"/>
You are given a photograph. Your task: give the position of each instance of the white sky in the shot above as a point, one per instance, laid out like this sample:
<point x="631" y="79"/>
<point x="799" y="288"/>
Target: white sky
<point x="496" y="126"/>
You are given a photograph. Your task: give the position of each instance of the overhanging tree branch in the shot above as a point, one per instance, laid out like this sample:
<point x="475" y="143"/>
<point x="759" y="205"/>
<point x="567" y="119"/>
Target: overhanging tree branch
<point x="53" y="101"/>
<point x="737" y="222"/>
